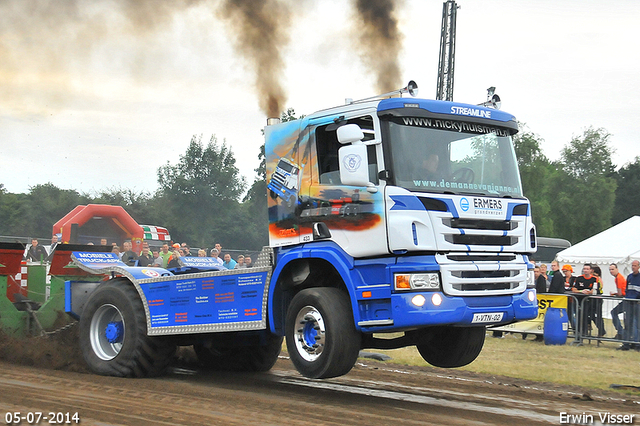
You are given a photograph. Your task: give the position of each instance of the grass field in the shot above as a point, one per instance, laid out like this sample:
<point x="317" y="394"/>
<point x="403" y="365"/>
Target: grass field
<point x="589" y="365"/>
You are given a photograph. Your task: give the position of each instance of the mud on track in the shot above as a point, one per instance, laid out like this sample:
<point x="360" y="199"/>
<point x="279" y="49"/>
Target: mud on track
<point x="50" y="377"/>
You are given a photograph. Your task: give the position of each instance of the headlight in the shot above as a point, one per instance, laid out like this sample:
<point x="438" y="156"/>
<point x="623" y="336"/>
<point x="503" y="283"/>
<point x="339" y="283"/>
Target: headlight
<point x="423" y="281"/>
<point x="531" y="279"/>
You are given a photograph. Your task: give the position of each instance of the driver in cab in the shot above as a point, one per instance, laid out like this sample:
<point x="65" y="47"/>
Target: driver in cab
<point x="429" y="168"/>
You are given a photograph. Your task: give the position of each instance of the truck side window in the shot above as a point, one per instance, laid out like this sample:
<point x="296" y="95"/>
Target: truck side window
<point x="373" y="164"/>
<point x="327" y="146"/>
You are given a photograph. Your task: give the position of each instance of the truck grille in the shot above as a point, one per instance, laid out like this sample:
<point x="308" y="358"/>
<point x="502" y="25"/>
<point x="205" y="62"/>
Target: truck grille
<point x="497" y="274"/>
<point x="483" y="287"/>
<point x="481" y="257"/>
<point x="278" y="178"/>
<point x="481" y="232"/>
<point x="482" y="274"/>
<point x="500" y="225"/>
<point x="483" y="240"/>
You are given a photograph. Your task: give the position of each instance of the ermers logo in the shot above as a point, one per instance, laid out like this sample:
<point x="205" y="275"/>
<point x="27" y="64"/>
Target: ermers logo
<point x="464" y="204"/>
<point x="487" y="203"/>
<point x="475" y="112"/>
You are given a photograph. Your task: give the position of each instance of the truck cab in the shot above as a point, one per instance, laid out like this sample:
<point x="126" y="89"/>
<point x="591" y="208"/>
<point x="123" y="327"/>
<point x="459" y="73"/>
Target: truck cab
<point x="413" y="210"/>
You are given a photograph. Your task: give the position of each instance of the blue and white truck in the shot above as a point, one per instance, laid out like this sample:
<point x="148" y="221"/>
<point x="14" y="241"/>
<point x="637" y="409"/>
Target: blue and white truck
<point x="408" y="227"/>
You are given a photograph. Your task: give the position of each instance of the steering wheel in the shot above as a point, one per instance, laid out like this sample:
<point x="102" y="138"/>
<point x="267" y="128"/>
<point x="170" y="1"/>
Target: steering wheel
<point x="464" y="175"/>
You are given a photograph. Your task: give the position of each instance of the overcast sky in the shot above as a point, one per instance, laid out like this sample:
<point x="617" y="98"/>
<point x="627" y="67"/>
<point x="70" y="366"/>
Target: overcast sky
<point x="98" y="94"/>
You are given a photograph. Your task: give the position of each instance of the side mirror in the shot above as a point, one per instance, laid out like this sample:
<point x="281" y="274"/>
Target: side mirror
<point x="349" y="133"/>
<point x="354" y="169"/>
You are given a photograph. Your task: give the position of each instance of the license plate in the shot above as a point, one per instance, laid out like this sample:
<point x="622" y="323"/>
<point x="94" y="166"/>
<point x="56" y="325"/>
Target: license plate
<point x="491" y="317"/>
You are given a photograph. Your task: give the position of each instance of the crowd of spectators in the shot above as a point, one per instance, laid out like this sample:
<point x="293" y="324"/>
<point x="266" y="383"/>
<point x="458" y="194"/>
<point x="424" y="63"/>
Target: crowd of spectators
<point x="563" y="281"/>
<point x="165" y="256"/>
<point x="168" y="254"/>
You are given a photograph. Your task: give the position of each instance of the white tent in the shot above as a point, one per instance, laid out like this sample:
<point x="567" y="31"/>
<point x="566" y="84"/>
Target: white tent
<point x="619" y="244"/>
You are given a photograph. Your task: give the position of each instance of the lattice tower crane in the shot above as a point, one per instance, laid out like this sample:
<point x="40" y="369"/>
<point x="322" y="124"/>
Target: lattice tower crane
<point x="447" y="51"/>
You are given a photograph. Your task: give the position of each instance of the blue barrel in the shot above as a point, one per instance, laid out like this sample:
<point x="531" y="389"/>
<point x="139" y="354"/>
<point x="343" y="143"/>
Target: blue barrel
<point x="556" y="325"/>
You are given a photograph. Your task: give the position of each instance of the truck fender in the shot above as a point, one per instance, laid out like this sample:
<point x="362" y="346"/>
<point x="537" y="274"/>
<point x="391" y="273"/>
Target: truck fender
<point x="108" y="265"/>
<point x="327" y="251"/>
<point x="78" y="292"/>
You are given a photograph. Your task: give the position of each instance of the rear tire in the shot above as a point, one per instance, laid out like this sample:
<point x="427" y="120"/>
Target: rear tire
<point x="450" y="347"/>
<point x="113" y="334"/>
<point x="252" y="358"/>
<point x="321" y="336"/>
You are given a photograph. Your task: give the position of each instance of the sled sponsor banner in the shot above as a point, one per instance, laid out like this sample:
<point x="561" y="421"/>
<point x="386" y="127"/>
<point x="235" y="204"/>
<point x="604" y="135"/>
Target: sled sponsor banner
<point x="200" y="262"/>
<point x="207" y="300"/>
<point x="110" y="263"/>
<point x="97" y="260"/>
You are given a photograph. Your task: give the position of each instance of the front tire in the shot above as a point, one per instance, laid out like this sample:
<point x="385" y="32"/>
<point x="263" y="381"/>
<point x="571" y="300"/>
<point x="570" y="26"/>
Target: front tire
<point x="113" y="334"/>
<point x="450" y="347"/>
<point x="321" y="336"/>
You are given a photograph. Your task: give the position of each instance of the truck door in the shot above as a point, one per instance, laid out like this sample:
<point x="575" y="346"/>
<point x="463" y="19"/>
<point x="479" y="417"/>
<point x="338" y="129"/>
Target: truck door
<point x="352" y="215"/>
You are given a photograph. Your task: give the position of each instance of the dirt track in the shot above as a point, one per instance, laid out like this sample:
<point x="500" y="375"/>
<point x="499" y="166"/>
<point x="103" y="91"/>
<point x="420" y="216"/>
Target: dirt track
<point x="48" y="375"/>
<point x="372" y="394"/>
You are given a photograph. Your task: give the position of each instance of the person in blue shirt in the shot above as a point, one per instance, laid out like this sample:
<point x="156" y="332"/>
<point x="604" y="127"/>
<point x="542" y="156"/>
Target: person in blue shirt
<point x="229" y="263"/>
<point x="632" y="308"/>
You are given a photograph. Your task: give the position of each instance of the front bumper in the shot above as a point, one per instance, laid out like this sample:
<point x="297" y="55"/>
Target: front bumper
<point x="453" y="310"/>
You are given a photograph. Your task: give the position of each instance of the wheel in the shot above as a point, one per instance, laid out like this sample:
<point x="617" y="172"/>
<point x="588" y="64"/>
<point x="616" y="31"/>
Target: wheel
<point x="450" y="347"/>
<point x="273" y="195"/>
<point x="321" y="337"/>
<point x="464" y="175"/>
<point x="252" y="358"/>
<point x="113" y="334"/>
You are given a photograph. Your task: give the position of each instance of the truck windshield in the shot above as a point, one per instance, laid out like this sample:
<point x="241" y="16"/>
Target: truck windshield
<point x="481" y="161"/>
<point x="287" y="167"/>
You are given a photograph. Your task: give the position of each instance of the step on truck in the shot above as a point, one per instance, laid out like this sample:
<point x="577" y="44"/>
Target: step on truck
<point x="404" y="224"/>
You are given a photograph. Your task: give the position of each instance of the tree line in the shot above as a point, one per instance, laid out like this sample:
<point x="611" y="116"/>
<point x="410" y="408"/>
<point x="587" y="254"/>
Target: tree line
<point x="582" y="193"/>
<point x="199" y="199"/>
<point x="202" y="198"/>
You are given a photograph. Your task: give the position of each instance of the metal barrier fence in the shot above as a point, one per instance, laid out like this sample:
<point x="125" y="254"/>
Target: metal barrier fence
<point x="574" y="331"/>
<point x="590" y="318"/>
<point x="593" y="313"/>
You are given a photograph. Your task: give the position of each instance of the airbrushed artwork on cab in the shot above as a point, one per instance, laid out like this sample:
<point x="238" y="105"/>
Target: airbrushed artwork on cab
<point x="297" y="200"/>
<point x="285" y="166"/>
